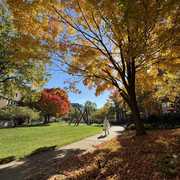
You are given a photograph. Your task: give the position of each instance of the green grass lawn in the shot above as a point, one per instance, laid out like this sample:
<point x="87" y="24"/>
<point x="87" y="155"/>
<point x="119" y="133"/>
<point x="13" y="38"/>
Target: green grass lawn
<point x="21" y="141"/>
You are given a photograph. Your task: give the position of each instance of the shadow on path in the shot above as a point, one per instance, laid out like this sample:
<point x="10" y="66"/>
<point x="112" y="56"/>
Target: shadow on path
<point x="101" y="137"/>
<point x="41" y="165"/>
<point x="38" y="166"/>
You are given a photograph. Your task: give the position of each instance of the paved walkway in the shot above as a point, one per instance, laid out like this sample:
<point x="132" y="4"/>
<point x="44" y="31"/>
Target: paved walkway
<point x="90" y="143"/>
<point x="18" y="170"/>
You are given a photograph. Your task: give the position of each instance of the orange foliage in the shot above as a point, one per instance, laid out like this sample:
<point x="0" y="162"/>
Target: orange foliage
<point x="54" y="102"/>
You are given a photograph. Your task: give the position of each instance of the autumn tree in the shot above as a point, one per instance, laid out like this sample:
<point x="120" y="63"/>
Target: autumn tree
<point x="161" y="84"/>
<point x="100" y="114"/>
<point x="120" y="106"/>
<point x="27" y="39"/>
<point x="107" y="111"/>
<point x="53" y="102"/>
<point x="109" y="42"/>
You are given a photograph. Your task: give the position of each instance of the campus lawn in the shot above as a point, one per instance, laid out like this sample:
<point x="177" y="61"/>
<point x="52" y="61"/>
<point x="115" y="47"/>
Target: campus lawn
<point x="21" y="141"/>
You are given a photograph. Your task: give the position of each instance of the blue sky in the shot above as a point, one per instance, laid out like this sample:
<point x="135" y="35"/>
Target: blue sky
<point x="57" y="80"/>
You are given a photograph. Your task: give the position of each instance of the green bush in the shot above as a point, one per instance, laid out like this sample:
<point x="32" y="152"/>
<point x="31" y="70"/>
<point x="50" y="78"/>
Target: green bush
<point x="5" y="115"/>
<point x="19" y="115"/>
<point x="164" y="121"/>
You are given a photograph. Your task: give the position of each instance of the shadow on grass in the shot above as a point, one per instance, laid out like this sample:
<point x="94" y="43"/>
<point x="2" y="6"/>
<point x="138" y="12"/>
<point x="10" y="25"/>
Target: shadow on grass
<point x="40" y="164"/>
<point x="41" y="150"/>
<point x="34" y="125"/>
<point x="7" y="159"/>
<point x="127" y="156"/>
<point x="97" y="125"/>
<point x="26" y="126"/>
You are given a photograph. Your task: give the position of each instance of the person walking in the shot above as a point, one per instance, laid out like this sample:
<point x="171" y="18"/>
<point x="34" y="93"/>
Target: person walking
<point x="106" y="126"/>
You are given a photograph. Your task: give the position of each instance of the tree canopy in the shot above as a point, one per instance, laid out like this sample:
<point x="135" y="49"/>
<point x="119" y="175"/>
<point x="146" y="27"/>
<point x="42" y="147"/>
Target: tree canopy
<point x="126" y="45"/>
<point x="113" y="49"/>
<point x="54" y="102"/>
<point x="27" y="40"/>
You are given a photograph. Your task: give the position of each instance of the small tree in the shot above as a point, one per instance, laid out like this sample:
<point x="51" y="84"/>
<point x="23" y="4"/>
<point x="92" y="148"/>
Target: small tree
<point x="74" y="114"/>
<point x="107" y="111"/>
<point x="53" y="102"/>
<point x="90" y="107"/>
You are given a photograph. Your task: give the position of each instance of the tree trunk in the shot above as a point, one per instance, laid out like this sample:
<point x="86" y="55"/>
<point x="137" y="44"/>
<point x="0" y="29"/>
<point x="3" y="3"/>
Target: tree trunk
<point x="140" y="130"/>
<point x="46" y="119"/>
<point x="132" y="101"/>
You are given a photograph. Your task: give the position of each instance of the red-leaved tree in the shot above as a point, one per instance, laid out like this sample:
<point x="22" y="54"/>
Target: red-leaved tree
<point x="54" y="102"/>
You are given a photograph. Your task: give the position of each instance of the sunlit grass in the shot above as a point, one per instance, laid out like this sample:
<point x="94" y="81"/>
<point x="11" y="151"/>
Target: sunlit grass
<point x="20" y="142"/>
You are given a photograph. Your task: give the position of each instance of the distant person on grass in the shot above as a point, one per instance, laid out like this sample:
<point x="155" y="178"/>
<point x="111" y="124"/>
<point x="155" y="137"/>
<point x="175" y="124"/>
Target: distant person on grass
<point x="106" y="126"/>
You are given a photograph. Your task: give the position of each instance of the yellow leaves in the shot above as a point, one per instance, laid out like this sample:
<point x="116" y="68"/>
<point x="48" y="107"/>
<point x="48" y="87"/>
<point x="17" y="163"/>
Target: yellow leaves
<point x="37" y="29"/>
<point x="169" y="22"/>
<point x="71" y="31"/>
<point x="102" y="87"/>
<point x="153" y="71"/>
<point x="55" y="27"/>
<point x="161" y="80"/>
<point x="34" y="18"/>
<point x="87" y="81"/>
<point x="86" y="58"/>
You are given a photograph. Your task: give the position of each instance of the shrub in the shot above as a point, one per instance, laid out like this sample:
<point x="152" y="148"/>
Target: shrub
<point x="5" y="115"/>
<point x="19" y="115"/>
<point x="169" y="120"/>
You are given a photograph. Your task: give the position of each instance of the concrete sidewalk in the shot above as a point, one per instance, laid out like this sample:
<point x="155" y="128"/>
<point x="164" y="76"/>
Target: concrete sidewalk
<point x="90" y="143"/>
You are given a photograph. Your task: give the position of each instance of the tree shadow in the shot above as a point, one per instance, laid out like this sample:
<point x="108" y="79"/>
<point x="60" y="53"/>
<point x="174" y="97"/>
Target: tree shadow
<point x="126" y="157"/>
<point x="7" y="159"/>
<point x="43" y="163"/>
<point x="35" y="125"/>
<point x="26" y="126"/>
<point x="101" y="137"/>
<point x="97" y="125"/>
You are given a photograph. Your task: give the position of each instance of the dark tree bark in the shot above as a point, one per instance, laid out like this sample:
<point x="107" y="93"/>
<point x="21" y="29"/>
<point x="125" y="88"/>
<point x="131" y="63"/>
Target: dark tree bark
<point x="140" y="130"/>
<point x="132" y="100"/>
<point x="133" y="105"/>
<point x="46" y="119"/>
